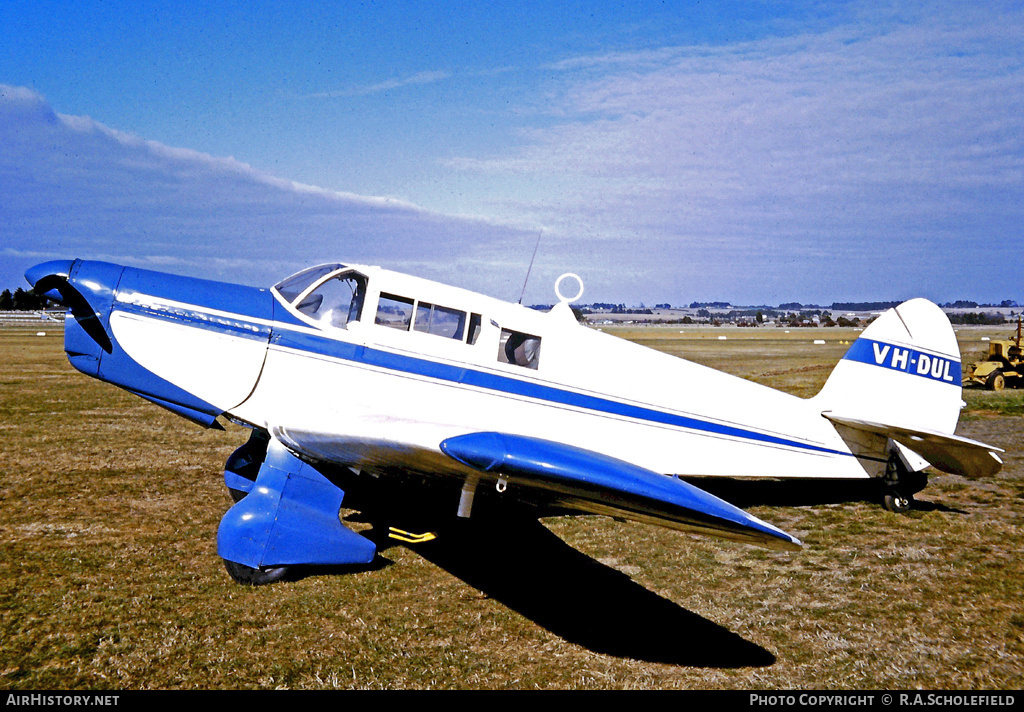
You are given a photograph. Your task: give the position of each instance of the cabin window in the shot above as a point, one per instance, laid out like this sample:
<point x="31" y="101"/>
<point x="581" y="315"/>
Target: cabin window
<point x="394" y="311"/>
<point x="441" y="321"/>
<point x="337" y="301"/>
<point x="404" y="313"/>
<point x="519" y="349"/>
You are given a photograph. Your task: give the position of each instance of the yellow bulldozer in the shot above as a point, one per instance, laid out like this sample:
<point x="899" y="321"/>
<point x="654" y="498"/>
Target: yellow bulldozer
<point x="1003" y="367"/>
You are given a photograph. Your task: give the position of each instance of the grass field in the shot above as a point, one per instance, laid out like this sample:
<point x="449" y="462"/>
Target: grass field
<point x="110" y="579"/>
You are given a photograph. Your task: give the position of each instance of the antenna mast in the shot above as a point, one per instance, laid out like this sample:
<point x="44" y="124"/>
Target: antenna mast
<point x="530" y="268"/>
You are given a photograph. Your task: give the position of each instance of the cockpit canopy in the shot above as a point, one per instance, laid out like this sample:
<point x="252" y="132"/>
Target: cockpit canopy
<point x="331" y="294"/>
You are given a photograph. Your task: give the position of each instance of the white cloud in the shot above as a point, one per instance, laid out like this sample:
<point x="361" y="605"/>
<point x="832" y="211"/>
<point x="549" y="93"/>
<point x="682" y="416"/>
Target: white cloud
<point x="866" y="161"/>
<point x="425" y="77"/>
<point x="75" y="188"/>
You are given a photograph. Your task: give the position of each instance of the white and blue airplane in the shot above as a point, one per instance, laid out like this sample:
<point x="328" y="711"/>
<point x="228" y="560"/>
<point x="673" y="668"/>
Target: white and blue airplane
<point x="348" y="372"/>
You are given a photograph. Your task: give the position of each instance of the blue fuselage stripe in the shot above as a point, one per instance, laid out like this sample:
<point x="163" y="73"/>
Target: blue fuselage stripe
<point x="411" y="365"/>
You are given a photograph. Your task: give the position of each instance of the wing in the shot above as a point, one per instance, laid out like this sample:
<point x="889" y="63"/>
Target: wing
<point x="592" y="482"/>
<point x="567" y="476"/>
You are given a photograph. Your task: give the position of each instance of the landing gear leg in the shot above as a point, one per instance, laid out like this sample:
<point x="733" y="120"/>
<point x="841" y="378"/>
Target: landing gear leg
<point x="900" y="483"/>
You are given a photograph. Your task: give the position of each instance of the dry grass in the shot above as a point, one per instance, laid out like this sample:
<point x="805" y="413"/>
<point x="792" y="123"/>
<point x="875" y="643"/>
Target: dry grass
<point x="110" y="579"/>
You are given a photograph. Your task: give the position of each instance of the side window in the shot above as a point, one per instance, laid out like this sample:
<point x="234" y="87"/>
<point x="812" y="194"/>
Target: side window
<point x="394" y="311"/>
<point x="404" y="313"/>
<point x="519" y="349"/>
<point x="336" y="302"/>
<point x="441" y="321"/>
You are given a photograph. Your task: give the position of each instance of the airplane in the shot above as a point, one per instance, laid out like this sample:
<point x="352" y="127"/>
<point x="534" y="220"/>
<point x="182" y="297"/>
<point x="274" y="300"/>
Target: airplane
<point x="350" y="374"/>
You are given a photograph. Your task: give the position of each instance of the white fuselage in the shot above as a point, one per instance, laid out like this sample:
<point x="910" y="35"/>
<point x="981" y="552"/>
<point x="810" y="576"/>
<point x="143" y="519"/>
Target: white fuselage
<point x="369" y="381"/>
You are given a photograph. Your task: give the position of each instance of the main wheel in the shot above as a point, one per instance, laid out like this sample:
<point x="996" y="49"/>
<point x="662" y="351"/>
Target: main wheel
<point x="248" y="576"/>
<point x="996" y="381"/>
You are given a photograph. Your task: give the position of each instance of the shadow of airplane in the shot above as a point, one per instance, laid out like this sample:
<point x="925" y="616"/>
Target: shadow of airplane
<point x="783" y="493"/>
<point x="520" y="563"/>
<point x="803" y="493"/>
<point x="509" y="555"/>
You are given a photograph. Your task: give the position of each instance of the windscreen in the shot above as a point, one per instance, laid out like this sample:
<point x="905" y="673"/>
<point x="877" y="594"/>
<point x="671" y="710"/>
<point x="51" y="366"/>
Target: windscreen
<point x="292" y="287"/>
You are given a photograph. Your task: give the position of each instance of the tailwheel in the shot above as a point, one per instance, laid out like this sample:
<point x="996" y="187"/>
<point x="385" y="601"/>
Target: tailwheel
<point x="900" y="483"/>
<point x="899" y="503"/>
<point x="248" y="576"/>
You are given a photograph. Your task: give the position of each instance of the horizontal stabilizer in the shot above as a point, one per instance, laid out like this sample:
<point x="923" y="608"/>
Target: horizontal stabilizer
<point x="949" y="453"/>
<point x="591" y="482"/>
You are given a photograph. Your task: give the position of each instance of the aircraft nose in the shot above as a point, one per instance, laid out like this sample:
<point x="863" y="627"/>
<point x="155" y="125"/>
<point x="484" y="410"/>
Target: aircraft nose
<point x="45" y="277"/>
<point x="87" y="290"/>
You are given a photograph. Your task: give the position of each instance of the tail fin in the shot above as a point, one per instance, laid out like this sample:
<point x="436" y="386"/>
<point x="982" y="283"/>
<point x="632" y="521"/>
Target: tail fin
<point x="900" y="382"/>
<point x="904" y="369"/>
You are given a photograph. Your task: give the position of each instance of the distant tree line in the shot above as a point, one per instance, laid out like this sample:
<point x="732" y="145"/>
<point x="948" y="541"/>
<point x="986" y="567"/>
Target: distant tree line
<point x="881" y="306"/>
<point x="976" y="318"/>
<point x="604" y="306"/>
<point x="21" y="300"/>
<point x="863" y="306"/>
<point x="613" y="309"/>
<point x="965" y="304"/>
<point x="813" y="308"/>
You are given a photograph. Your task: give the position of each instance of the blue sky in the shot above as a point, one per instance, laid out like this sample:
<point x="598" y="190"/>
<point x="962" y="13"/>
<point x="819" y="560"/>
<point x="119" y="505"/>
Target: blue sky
<point x="664" y="151"/>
